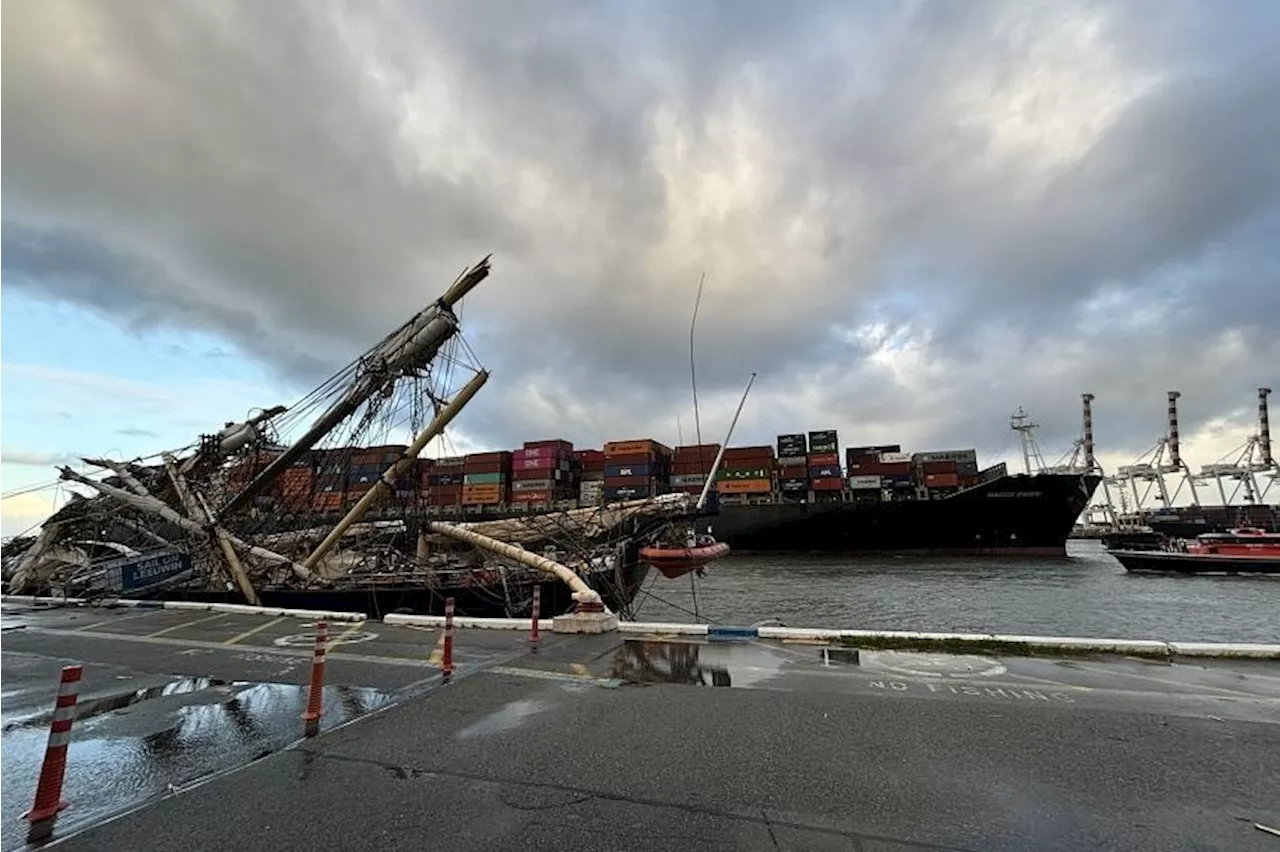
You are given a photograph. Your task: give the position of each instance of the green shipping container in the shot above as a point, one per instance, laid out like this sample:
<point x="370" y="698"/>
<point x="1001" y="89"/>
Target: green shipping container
<point x="483" y="479"/>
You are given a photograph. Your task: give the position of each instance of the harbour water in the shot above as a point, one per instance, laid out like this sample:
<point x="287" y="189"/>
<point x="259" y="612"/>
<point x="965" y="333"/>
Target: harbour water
<point x="1086" y="593"/>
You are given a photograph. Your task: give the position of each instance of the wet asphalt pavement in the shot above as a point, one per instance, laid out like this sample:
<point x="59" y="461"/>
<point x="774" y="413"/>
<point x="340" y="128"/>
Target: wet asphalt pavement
<point x="606" y="743"/>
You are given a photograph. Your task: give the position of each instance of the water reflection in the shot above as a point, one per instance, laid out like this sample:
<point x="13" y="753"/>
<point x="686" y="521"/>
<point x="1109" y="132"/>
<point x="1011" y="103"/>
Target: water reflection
<point x="639" y="661"/>
<point x="143" y="743"/>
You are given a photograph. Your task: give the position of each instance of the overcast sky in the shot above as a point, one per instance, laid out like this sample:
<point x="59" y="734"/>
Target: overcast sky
<point x="913" y="217"/>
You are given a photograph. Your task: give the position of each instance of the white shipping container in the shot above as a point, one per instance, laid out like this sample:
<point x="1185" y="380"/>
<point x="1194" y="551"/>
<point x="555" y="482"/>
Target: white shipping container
<point x="894" y="458"/>
<point x="793" y="461"/>
<point x="868" y="482"/>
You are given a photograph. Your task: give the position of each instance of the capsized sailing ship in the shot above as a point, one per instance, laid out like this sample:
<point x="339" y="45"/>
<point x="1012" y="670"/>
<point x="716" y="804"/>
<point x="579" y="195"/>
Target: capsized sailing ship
<point x="189" y="524"/>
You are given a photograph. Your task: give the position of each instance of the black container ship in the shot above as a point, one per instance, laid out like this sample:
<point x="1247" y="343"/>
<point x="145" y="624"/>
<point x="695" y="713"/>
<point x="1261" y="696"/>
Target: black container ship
<point x="804" y="497"/>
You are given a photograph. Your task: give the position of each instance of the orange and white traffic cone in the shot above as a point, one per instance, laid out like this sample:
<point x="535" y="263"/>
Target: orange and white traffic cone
<point x="446" y="660"/>
<point x="315" y="697"/>
<point x="534" y="637"/>
<point x="48" y="801"/>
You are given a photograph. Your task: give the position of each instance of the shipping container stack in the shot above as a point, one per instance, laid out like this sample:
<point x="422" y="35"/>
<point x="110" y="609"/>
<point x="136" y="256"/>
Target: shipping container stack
<point x="330" y="482"/>
<point x="542" y="474"/>
<point x="590" y="465"/>
<point x="486" y="479"/>
<point x="366" y="466"/>
<point x="297" y="482"/>
<point x="746" y="474"/>
<point x="690" y="465"/>
<point x="826" y="479"/>
<point x="883" y="468"/>
<point x="793" y="464"/>
<point x="443" y="481"/>
<point x="939" y="473"/>
<point x="635" y="469"/>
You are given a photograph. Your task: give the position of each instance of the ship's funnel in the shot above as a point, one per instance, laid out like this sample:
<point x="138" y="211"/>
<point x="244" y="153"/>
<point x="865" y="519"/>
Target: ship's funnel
<point x="1089" y="462"/>
<point x="1175" y="457"/>
<point x="1264" y="427"/>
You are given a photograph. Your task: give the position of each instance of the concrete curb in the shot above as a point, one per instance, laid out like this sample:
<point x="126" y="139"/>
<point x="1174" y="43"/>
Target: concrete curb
<point x="243" y="609"/>
<point x="1247" y="650"/>
<point x="465" y="621"/>
<point x="677" y="628"/>
<point x="1012" y="644"/>
<point x="997" y="643"/>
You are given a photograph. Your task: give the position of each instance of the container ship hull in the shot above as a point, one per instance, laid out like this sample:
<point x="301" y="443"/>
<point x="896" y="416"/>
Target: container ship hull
<point x="1011" y="515"/>
<point x="1014" y="515"/>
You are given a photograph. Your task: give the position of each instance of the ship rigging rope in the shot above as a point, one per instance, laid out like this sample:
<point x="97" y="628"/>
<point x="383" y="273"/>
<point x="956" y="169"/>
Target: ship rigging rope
<point x="648" y="593"/>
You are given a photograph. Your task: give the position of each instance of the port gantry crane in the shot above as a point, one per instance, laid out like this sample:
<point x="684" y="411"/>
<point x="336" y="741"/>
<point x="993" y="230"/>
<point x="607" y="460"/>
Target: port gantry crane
<point x="1150" y="468"/>
<point x="1250" y="469"/>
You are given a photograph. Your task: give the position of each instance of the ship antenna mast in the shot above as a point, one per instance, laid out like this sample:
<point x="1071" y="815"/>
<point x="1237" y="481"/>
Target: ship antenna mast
<point x="1021" y="423"/>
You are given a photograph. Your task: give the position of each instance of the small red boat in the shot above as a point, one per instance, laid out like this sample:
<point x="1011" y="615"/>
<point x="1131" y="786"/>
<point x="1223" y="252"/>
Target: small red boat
<point x="675" y="562"/>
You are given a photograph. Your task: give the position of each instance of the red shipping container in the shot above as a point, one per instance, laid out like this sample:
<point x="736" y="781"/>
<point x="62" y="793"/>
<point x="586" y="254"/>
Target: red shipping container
<point x="831" y="483"/>
<point x="633" y="458"/>
<point x="535" y="473"/>
<point x="749" y="452"/>
<point x="939" y="467"/>
<point x="540" y="464"/>
<point x="501" y="455"/>
<point x="941" y="480"/>
<point x="531" y="496"/>
<point x="748" y="462"/>
<point x="823" y="459"/>
<point x="694" y="451"/>
<point x="691" y="468"/>
<point x="494" y="466"/>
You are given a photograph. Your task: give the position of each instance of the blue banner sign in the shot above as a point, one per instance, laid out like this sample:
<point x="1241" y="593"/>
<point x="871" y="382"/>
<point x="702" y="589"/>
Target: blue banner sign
<point x="152" y="569"/>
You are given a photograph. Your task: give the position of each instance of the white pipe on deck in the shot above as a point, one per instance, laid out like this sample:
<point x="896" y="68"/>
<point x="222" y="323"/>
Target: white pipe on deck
<point x="582" y="593"/>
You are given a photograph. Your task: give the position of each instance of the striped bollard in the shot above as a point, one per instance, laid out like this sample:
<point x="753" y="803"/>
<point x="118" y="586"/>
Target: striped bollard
<point x="446" y="660"/>
<point x="315" y="697"/>
<point x="537" y="611"/>
<point x="48" y="801"/>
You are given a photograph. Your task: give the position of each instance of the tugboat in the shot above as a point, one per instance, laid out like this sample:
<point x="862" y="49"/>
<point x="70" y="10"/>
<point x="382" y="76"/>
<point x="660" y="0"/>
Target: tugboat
<point x="1246" y="550"/>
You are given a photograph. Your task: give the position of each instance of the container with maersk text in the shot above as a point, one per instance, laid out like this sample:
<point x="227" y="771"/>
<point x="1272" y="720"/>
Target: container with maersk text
<point x="864" y="483"/>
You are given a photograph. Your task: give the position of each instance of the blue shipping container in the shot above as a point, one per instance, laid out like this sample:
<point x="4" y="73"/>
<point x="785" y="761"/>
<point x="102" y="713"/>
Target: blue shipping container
<point x="625" y="492"/>
<point x="612" y="470"/>
<point x="825" y="471"/>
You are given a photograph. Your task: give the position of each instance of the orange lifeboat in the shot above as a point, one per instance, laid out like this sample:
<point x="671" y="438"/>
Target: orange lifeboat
<point x="675" y="562"/>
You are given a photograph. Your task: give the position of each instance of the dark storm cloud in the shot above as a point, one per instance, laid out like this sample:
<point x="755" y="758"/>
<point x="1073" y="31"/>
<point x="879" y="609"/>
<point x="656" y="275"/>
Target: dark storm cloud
<point x="912" y="217"/>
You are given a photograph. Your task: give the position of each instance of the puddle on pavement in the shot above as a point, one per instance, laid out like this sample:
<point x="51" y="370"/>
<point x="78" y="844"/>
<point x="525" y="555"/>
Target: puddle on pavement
<point x="96" y="705"/>
<point x="147" y="742"/>
<point x="747" y="664"/>
<point x="690" y="663"/>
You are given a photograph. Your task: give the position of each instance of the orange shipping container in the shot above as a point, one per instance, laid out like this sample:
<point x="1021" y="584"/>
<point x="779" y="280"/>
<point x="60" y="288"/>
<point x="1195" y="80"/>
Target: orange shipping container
<point x="642" y="445"/>
<point x="482" y="493"/>
<point x="745" y="486"/>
